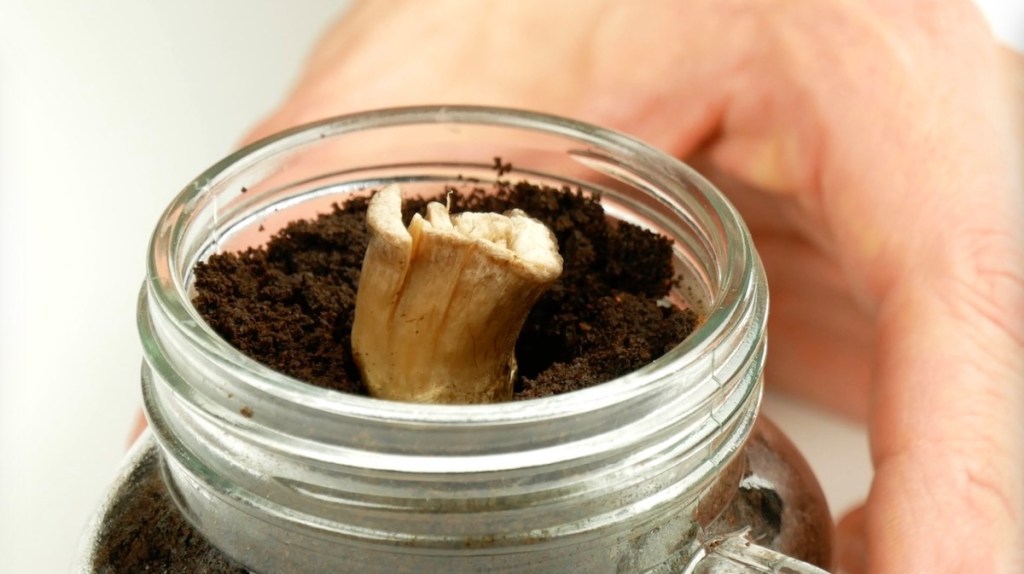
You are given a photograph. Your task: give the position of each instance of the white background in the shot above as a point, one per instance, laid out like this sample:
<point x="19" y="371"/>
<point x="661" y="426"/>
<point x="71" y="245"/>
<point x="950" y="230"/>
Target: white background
<point x="107" y="109"/>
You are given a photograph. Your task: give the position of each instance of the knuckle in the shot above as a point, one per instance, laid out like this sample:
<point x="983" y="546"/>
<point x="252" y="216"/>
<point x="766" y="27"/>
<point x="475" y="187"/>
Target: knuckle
<point x="985" y="482"/>
<point x="986" y="282"/>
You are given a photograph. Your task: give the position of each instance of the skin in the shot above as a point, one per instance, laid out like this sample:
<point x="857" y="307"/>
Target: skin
<point x="875" y="150"/>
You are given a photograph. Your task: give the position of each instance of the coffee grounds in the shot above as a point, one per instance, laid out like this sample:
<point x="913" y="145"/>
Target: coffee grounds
<point x="144" y="531"/>
<point x="290" y="303"/>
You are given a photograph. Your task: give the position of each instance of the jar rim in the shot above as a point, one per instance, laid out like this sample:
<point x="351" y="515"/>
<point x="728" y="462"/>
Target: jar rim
<point x="166" y="283"/>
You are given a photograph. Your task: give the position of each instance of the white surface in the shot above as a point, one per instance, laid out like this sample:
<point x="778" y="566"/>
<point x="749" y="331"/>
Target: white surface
<point x="107" y="108"/>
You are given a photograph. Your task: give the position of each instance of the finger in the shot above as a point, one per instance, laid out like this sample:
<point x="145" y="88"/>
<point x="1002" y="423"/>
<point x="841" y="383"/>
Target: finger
<point x="946" y="423"/>
<point x="137" y="428"/>
<point x="927" y="217"/>
<point x="1012" y="64"/>
<point x="946" y="427"/>
<point x="946" y="435"/>
<point x="851" y="542"/>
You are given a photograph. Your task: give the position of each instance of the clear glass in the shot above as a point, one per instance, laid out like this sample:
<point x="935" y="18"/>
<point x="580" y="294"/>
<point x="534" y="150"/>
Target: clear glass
<point x="639" y="474"/>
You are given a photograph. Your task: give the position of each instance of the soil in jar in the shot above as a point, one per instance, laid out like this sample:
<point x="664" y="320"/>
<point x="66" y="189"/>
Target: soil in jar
<point x="290" y="304"/>
<point x="143" y="531"/>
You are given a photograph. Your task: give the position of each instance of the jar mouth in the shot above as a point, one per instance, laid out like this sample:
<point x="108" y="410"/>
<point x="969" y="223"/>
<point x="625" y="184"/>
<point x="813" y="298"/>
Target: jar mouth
<point x="167" y="279"/>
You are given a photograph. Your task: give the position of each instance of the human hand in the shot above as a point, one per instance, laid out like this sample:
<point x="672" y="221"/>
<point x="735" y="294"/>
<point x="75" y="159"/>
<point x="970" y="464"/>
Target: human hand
<point x="870" y="147"/>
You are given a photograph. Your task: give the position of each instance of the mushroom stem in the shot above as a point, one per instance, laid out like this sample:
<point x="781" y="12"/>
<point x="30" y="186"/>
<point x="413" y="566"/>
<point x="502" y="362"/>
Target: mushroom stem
<point x="440" y="304"/>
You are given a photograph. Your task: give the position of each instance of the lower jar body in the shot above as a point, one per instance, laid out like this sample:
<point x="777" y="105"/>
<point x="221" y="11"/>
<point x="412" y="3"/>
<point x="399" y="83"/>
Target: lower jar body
<point x="769" y="491"/>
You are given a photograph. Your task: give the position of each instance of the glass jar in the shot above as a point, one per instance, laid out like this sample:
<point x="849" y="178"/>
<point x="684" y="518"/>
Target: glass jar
<point x="661" y="470"/>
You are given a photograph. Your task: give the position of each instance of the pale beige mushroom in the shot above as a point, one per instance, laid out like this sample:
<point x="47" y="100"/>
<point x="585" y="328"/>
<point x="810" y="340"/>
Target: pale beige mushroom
<point x="440" y="304"/>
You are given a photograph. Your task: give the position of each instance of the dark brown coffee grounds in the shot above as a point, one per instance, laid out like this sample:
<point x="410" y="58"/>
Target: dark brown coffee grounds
<point x="290" y="303"/>
<point x="144" y="531"/>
